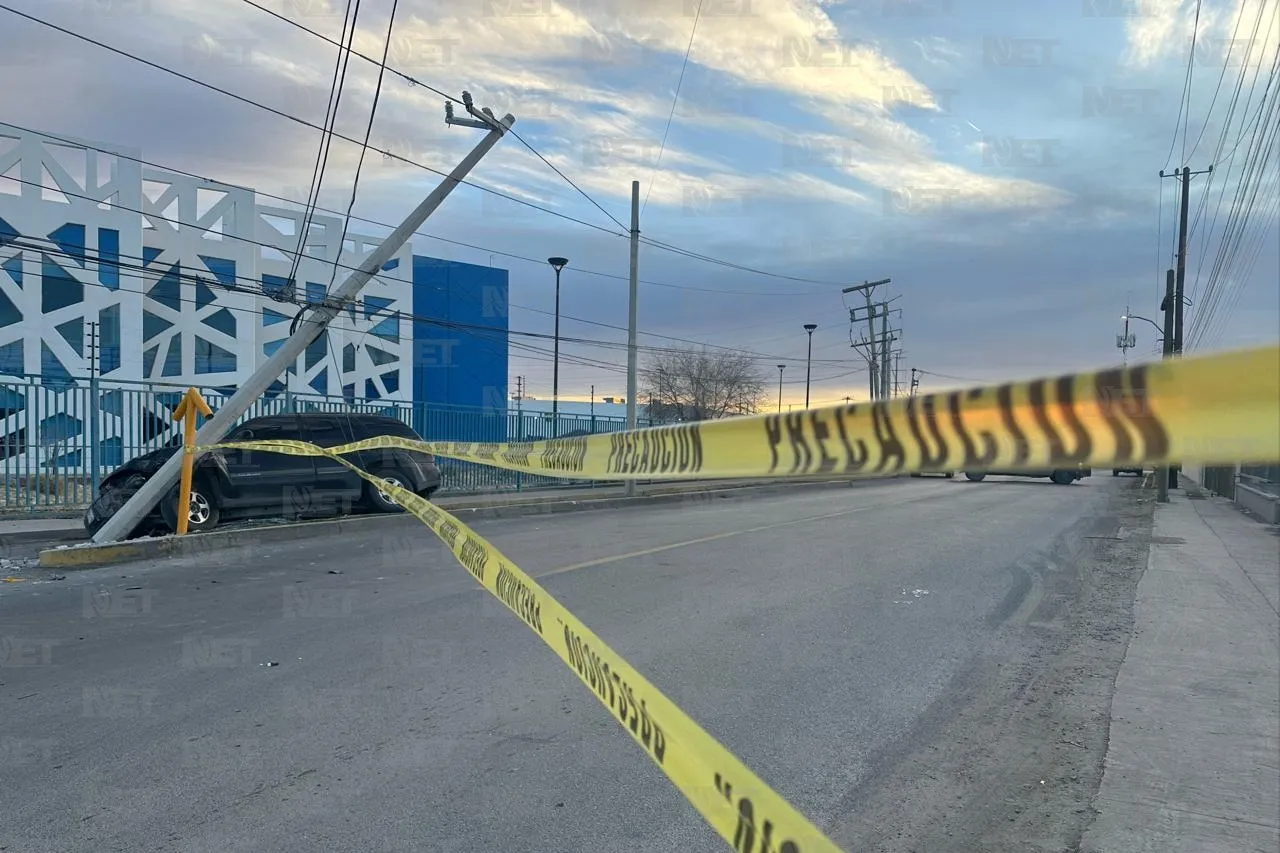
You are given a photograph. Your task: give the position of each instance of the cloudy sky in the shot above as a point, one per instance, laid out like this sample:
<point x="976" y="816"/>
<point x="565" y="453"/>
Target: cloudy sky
<point x="998" y="160"/>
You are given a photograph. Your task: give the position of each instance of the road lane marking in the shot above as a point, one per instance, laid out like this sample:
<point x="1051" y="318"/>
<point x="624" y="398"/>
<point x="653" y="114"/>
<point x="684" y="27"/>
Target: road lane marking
<point x="658" y="549"/>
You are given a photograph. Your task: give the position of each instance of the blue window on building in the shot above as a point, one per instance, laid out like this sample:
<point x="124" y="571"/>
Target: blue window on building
<point x="9" y="313"/>
<point x="223" y="270"/>
<point x="222" y="320"/>
<point x="167" y="290"/>
<point x="277" y="287"/>
<point x="315" y="292"/>
<point x="316" y="350"/>
<point x="211" y="358"/>
<point x="72" y="332"/>
<point x="70" y="239"/>
<point x="53" y="373"/>
<point x="7" y="233"/>
<point x="173" y="359"/>
<point x="12" y="362"/>
<point x="59" y="288"/>
<point x="109" y="339"/>
<point x="109" y="258"/>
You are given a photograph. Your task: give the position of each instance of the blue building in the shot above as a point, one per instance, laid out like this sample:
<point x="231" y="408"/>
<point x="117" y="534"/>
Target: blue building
<point x="459" y="350"/>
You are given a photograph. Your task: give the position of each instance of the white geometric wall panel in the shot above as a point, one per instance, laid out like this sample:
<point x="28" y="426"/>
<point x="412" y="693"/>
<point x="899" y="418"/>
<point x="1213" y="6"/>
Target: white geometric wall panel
<point x="70" y="249"/>
<point x="200" y="258"/>
<point x="188" y="283"/>
<point x="366" y="353"/>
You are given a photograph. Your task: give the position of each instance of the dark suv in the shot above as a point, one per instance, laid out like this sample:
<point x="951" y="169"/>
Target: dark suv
<point x="231" y="483"/>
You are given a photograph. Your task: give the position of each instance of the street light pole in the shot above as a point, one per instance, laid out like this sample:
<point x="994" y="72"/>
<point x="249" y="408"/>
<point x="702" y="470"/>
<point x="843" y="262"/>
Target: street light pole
<point x="557" y="264"/>
<point x="781" y="367"/>
<point x="808" y="368"/>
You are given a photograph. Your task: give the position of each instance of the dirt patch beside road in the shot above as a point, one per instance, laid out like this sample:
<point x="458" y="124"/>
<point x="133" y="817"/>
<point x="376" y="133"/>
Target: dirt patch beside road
<point x="1012" y="757"/>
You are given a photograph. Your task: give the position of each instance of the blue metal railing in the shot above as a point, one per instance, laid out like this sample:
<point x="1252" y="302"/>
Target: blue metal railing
<point x="58" y="439"/>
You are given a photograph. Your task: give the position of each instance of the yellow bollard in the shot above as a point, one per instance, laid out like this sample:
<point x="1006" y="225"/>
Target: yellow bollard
<point x="191" y="405"/>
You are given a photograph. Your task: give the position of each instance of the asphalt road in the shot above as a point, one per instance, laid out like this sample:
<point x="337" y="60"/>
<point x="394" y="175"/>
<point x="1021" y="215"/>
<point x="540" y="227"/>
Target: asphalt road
<point x="895" y="658"/>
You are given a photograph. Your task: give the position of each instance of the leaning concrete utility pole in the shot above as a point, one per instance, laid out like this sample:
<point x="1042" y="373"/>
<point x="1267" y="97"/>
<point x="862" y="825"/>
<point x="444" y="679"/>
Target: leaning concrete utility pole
<point x="631" y="319"/>
<point x="138" y="506"/>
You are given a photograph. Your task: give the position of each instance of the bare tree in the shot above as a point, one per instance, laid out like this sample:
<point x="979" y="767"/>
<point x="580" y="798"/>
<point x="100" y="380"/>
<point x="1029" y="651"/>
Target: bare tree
<point x="701" y="384"/>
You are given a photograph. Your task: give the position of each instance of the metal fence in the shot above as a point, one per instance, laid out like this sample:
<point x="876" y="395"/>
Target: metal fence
<point x="57" y="440"/>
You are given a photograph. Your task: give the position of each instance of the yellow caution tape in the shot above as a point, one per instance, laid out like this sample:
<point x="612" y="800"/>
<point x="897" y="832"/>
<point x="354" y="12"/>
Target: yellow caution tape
<point x="1217" y="408"/>
<point x="745" y="811"/>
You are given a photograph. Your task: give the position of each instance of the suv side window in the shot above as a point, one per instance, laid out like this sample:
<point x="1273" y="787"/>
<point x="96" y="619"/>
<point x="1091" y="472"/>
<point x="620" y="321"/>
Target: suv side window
<point x="324" y="432"/>
<point x="264" y="431"/>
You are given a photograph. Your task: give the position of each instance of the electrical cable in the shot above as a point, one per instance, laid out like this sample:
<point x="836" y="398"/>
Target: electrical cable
<point x="675" y="99"/>
<point x="256" y="287"/>
<point x="540" y="262"/>
<point x="297" y="120"/>
<point x="626" y="231"/>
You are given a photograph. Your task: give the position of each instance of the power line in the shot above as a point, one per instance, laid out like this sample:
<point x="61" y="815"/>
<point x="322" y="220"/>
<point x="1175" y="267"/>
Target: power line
<point x="675" y="99"/>
<point x="1184" y="102"/>
<point x="255" y="286"/>
<point x="626" y="231"/>
<point x="326" y="135"/>
<point x="136" y="265"/>
<point x="540" y="262"/>
<point x="296" y="119"/>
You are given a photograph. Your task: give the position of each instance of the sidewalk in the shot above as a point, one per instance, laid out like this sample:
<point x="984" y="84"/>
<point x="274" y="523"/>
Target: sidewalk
<point x="1193" y="761"/>
<point x="37" y="528"/>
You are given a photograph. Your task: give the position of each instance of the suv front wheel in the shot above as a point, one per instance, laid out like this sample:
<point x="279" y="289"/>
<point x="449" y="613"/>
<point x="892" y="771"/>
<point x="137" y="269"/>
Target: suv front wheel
<point x="202" y="509"/>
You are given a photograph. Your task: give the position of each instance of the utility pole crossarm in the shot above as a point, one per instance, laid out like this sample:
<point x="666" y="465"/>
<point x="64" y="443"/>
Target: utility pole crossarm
<point x="122" y="523"/>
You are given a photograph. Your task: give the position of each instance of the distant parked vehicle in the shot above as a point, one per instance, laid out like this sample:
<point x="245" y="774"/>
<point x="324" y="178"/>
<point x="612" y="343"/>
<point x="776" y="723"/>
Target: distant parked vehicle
<point x="1061" y="476"/>
<point x="947" y="474"/>
<point x="1116" y="472"/>
<point x="231" y="483"/>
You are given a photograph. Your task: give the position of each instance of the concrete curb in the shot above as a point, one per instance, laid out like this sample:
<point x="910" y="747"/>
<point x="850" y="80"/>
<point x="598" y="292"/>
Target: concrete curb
<point x="19" y="537"/>
<point x="96" y="556"/>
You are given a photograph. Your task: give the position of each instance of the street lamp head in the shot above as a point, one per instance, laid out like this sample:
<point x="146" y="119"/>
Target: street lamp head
<point x="809" y="327"/>
<point x="781" y="366"/>
<point x="558" y="263"/>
